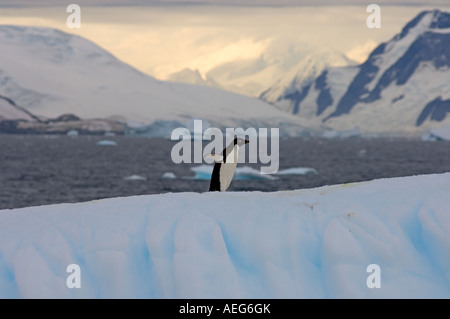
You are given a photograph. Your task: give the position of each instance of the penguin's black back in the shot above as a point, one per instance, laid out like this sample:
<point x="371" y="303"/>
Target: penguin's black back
<point x="214" y="185"/>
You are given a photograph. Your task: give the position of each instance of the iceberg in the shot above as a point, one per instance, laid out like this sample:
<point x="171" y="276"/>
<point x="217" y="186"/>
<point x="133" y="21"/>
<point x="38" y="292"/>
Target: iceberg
<point x="428" y="137"/>
<point x="73" y="133"/>
<point x="169" y="175"/>
<point x="297" y="171"/>
<point x="203" y="172"/>
<point x="107" y="143"/>
<point x="326" y="242"/>
<point x="440" y="133"/>
<point x="248" y="173"/>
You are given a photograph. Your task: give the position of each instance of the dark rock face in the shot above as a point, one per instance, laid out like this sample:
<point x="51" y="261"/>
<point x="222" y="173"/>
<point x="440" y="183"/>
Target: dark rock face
<point x="441" y="20"/>
<point x="66" y="118"/>
<point x="19" y="108"/>
<point x="436" y="110"/>
<point x="410" y="25"/>
<point x="297" y="97"/>
<point x="357" y="89"/>
<point x="324" y="100"/>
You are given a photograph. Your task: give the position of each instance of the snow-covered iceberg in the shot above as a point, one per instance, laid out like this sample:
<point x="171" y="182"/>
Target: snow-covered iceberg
<point x="203" y="172"/>
<point x="313" y="243"/>
<point x="106" y="143"/>
<point x="169" y="175"/>
<point x="441" y="133"/>
<point x="297" y="171"/>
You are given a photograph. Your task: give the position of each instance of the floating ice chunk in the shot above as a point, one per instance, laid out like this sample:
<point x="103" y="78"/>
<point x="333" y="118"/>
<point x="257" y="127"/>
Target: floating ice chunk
<point x="330" y="134"/>
<point x="362" y="152"/>
<point x="203" y="172"/>
<point x="429" y="138"/>
<point x="248" y="173"/>
<point x="107" y="143"/>
<point x="169" y="175"/>
<point x="298" y="171"/>
<point x="135" y="178"/>
<point x="441" y="133"/>
<point x="72" y="133"/>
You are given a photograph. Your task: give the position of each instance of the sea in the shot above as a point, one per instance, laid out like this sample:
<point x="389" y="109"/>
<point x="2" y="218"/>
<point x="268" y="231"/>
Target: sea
<point x="49" y="169"/>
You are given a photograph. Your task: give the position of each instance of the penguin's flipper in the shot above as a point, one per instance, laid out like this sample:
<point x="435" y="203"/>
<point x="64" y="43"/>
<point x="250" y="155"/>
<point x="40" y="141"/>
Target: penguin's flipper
<point x="218" y="158"/>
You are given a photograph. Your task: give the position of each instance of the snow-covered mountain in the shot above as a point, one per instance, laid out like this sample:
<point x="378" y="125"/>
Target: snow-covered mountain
<point x="50" y="73"/>
<point x="295" y="83"/>
<point x="402" y="87"/>
<point x="282" y="66"/>
<point x="10" y="111"/>
<point x="16" y="119"/>
<point x="191" y="77"/>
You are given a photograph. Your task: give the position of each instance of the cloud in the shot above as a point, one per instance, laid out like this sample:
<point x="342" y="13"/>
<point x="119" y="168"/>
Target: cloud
<point x="241" y="49"/>
<point x="361" y="52"/>
<point x="37" y="3"/>
<point x="162" y="40"/>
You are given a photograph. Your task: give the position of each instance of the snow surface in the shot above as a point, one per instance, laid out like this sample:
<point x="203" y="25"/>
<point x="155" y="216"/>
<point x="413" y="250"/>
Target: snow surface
<point x="314" y="243"/>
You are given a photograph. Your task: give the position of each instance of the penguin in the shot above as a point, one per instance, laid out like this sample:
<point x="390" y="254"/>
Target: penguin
<point x="225" y="167"/>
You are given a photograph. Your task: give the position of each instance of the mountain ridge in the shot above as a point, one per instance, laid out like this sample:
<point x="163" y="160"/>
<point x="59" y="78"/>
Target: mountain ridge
<point x="50" y="72"/>
<point x="400" y="88"/>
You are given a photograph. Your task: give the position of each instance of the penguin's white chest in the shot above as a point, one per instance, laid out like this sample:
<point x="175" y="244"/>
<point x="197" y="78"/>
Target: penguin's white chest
<point x="228" y="168"/>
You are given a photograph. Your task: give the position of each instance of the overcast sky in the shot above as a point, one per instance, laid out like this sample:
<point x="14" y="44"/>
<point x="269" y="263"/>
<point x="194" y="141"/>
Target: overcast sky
<point x="221" y="2"/>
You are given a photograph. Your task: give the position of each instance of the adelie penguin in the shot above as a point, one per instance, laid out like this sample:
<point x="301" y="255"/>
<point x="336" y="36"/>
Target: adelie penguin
<point x="225" y="166"/>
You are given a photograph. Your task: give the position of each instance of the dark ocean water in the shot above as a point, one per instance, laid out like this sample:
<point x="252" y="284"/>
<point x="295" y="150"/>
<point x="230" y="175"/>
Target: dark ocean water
<point x="37" y="170"/>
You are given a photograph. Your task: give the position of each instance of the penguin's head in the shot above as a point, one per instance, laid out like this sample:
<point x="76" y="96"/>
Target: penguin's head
<point x="240" y="141"/>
